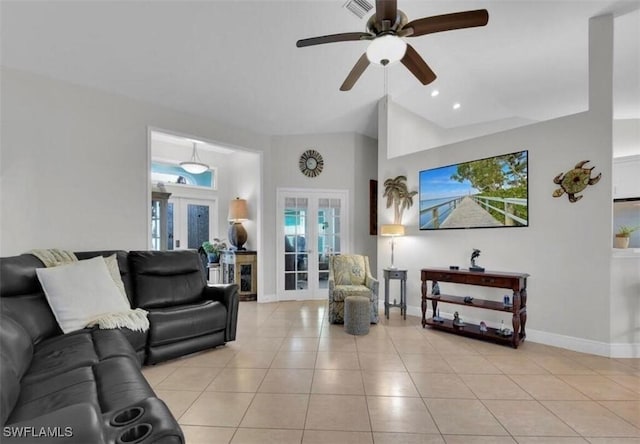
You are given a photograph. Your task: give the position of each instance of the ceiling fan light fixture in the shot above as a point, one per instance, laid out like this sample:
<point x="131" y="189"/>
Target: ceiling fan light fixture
<point x="194" y="165"/>
<point x="386" y="49"/>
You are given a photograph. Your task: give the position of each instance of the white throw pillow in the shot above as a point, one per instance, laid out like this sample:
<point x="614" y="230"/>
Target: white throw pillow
<point x="81" y="292"/>
<point x="114" y="272"/>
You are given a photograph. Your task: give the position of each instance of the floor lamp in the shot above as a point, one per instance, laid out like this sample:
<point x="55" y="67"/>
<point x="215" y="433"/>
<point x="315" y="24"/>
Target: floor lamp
<point x="392" y="231"/>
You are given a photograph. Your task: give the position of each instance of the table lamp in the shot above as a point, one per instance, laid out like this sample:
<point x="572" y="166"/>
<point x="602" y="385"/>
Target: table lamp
<point x="238" y="212"/>
<point x="393" y="231"/>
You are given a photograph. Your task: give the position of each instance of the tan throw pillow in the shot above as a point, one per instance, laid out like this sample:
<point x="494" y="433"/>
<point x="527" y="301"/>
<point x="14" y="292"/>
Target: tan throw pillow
<point x="114" y="270"/>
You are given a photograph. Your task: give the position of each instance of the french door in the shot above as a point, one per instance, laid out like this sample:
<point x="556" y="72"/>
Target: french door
<point x="191" y="222"/>
<point x="312" y="225"/>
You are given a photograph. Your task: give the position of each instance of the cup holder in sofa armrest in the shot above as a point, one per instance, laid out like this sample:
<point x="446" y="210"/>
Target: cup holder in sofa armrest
<point x="134" y="433"/>
<point x="126" y="416"/>
<point x="145" y="422"/>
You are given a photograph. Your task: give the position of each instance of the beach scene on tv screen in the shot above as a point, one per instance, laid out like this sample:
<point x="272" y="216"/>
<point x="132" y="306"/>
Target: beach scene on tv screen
<point x="485" y="193"/>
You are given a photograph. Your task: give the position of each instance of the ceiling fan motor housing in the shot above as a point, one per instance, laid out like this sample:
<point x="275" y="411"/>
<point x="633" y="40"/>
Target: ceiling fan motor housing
<point x="385" y="26"/>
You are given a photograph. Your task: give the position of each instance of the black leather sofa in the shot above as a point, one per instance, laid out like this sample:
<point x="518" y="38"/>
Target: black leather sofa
<point x="86" y="386"/>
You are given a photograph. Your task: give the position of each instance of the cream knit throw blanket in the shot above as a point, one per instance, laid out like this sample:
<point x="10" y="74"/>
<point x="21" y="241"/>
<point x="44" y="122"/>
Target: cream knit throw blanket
<point x="132" y="319"/>
<point x="53" y="257"/>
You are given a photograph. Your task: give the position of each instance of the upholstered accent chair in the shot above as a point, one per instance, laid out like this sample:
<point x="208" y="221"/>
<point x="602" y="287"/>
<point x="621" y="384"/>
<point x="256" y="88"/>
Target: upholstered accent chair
<point x="350" y="275"/>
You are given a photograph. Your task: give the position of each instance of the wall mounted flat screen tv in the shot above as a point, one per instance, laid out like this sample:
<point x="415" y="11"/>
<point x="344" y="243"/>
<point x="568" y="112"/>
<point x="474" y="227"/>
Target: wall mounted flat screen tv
<point x="486" y="193"/>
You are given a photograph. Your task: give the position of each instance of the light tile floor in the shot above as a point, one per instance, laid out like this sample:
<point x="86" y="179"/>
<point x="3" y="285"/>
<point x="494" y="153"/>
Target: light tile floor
<point x="290" y="377"/>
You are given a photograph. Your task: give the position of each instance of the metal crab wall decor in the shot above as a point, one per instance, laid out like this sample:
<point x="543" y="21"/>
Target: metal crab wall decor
<point x="574" y="181"/>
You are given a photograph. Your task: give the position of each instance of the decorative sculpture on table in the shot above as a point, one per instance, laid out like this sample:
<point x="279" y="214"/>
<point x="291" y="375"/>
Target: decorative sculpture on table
<point x="474" y="256"/>
<point x="435" y="289"/>
<point x="457" y="321"/>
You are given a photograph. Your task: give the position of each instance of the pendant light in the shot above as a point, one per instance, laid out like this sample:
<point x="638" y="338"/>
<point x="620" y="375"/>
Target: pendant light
<point x="194" y="165"/>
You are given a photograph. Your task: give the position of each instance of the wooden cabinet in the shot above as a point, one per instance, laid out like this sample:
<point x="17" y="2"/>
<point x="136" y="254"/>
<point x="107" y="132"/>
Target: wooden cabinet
<point x="516" y="282"/>
<point x="241" y="267"/>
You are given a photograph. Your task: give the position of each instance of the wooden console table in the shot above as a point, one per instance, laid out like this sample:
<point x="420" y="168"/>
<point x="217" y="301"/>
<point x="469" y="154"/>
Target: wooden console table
<point x="517" y="282"/>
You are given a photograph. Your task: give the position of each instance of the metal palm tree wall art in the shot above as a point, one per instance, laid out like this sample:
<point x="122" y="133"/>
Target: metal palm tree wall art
<point x="398" y="195"/>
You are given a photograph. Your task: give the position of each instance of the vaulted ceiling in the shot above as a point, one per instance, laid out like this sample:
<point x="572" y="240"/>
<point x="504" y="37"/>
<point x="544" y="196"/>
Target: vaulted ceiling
<point x="237" y="62"/>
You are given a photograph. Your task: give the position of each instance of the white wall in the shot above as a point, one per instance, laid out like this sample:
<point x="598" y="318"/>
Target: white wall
<point x="350" y="161"/>
<point x="626" y="137"/>
<point x="73" y="170"/>
<point x="556" y="249"/>
<point x="73" y="165"/>
<point x="365" y="169"/>
<point x="625" y="302"/>
<point x="432" y="135"/>
<point x="567" y="247"/>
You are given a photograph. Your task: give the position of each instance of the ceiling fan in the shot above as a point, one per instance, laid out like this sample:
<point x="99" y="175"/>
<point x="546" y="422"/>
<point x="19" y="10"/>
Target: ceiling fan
<point x="386" y="28"/>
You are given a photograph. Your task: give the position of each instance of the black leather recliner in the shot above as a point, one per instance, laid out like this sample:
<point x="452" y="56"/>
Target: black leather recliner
<point x="186" y="315"/>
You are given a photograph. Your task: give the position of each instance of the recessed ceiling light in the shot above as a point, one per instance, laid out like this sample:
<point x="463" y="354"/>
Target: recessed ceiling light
<point x="456" y="106"/>
<point x="434" y="93"/>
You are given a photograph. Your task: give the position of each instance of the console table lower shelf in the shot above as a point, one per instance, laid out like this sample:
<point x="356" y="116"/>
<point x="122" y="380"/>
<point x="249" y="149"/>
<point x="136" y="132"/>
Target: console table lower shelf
<point x="473" y="331"/>
<point x="516" y="282"/>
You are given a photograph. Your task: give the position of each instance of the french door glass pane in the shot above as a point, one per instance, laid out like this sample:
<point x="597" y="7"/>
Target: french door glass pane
<point x="170" y="225"/>
<point x="295" y="243"/>
<point x="197" y="225"/>
<point x="155" y="225"/>
<point x="328" y="236"/>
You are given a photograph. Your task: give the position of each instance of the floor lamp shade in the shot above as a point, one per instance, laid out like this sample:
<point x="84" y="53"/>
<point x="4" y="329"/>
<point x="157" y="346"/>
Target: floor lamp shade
<point x="392" y="231"/>
<point x="238" y="212"/>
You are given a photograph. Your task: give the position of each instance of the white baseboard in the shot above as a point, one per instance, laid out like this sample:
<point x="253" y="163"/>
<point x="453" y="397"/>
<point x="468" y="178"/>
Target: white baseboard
<point x="611" y="350"/>
<point x="569" y="342"/>
<point x="625" y="350"/>
<point x="264" y="298"/>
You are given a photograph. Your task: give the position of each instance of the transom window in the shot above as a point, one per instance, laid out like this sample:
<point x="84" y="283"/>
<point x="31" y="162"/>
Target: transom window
<point x="173" y="174"/>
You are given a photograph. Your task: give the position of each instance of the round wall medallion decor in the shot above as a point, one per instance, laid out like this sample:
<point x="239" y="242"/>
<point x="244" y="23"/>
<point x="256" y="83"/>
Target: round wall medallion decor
<point x="311" y="163"/>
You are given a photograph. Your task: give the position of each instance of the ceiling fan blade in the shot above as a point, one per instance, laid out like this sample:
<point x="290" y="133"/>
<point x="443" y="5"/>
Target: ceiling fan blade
<point x="386" y="10"/>
<point x="343" y="37"/>
<point x="355" y="73"/>
<point x="418" y="66"/>
<point x="447" y="22"/>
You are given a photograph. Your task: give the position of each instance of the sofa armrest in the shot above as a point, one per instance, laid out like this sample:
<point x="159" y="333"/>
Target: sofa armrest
<point x="372" y="284"/>
<point x="75" y="424"/>
<point x="226" y="294"/>
<point x="332" y="288"/>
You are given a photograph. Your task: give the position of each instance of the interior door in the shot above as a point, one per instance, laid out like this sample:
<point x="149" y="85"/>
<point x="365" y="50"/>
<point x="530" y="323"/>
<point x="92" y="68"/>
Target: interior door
<point x="312" y="225"/>
<point x="191" y="222"/>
